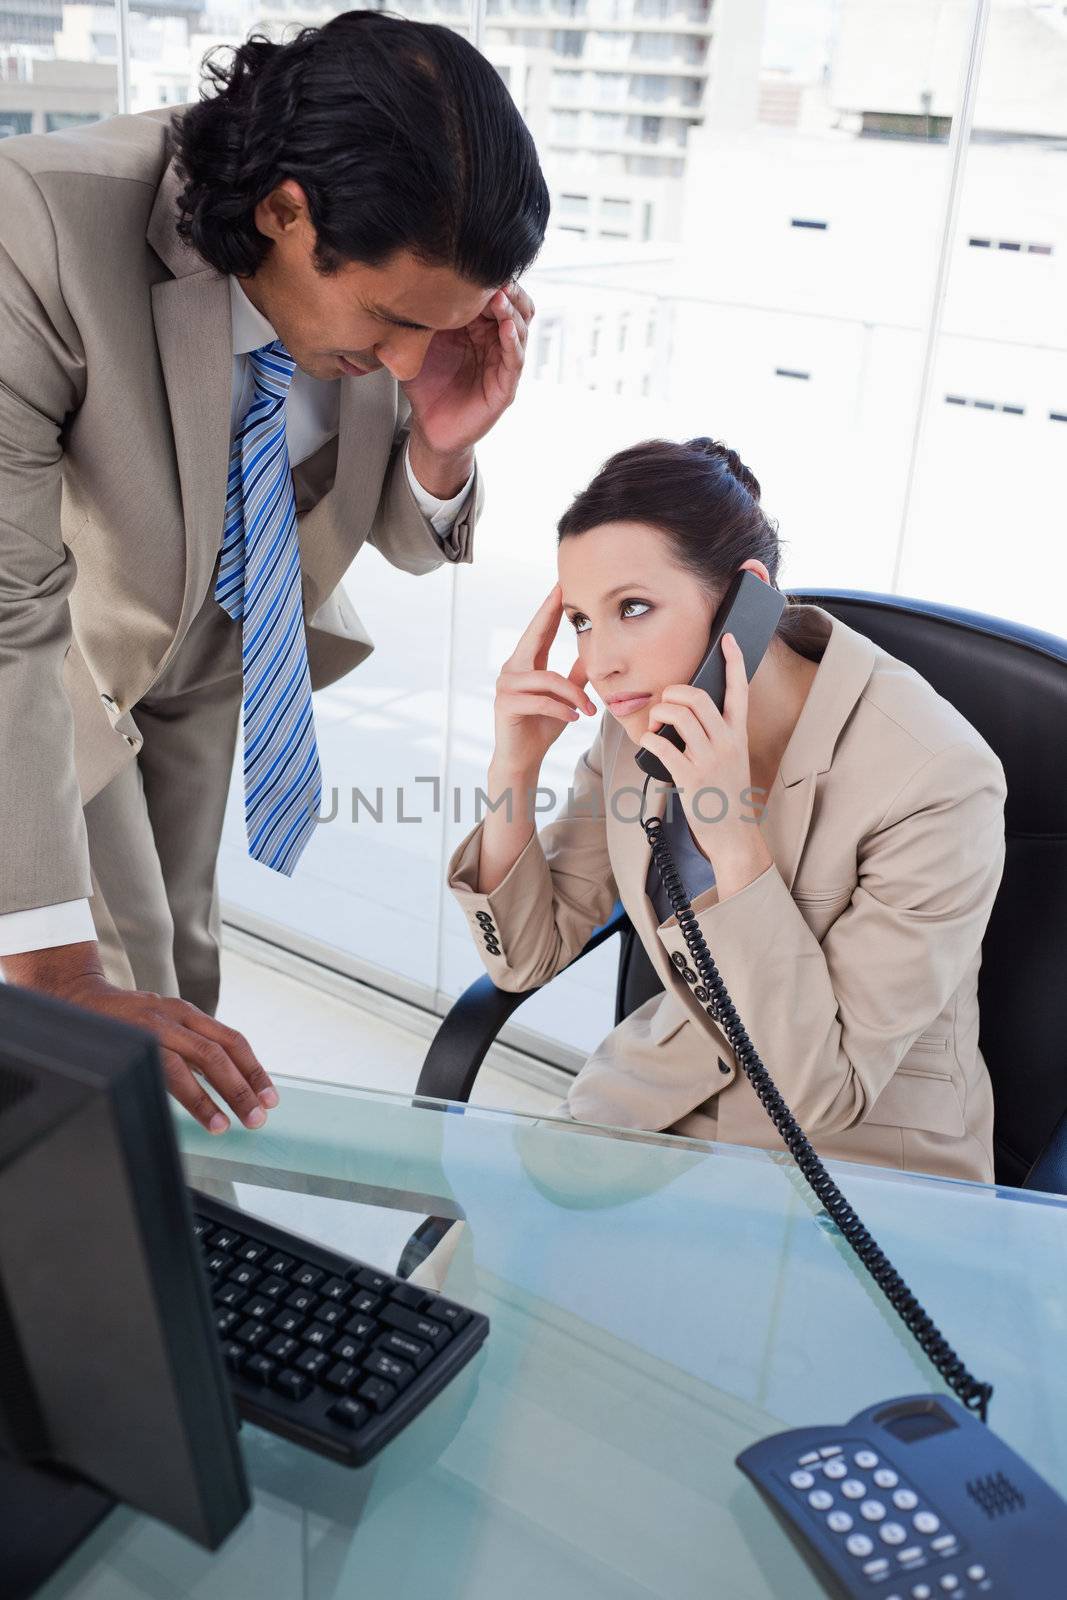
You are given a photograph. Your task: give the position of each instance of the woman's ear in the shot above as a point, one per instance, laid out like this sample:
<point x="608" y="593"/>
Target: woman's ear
<point x="756" y="566"/>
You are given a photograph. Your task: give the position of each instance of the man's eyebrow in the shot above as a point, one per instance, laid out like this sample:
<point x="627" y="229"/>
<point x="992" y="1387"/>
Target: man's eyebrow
<point x="401" y="322"/>
<point x="623" y="588"/>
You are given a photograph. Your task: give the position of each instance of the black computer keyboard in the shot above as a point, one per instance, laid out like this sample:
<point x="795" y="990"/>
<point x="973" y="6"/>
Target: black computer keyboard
<point x="324" y="1350"/>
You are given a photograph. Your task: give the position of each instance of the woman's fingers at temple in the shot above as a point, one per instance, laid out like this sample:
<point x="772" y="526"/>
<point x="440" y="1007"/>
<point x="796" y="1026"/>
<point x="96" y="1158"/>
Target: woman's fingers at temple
<point x="547" y="683"/>
<point x="539" y="633"/>
<point x="538" y="705"/>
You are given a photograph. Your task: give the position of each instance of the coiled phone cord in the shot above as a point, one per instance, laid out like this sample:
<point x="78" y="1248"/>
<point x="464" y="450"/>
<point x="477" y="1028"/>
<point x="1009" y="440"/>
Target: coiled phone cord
<point x="974" y="1394"/>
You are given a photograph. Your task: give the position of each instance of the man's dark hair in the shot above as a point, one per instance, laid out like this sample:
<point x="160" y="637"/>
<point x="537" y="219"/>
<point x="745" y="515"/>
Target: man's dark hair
<point x="401" y="134"/>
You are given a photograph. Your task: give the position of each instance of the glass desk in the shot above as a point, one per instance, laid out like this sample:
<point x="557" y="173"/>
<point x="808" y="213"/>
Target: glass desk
<point x="656" y="1305"/>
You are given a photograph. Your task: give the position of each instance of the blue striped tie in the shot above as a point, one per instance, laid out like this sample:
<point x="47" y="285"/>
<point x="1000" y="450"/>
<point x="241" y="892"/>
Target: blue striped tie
<point x="259" y="585"/>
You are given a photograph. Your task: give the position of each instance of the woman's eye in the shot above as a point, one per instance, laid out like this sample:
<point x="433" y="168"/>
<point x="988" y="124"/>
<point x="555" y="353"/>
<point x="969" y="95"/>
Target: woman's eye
<point x="581" y="624"/>
<point x="642" y="603"/>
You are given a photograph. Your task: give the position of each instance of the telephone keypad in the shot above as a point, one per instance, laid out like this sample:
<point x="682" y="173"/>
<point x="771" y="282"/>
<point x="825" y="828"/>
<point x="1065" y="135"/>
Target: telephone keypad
<point x="853" y="1473"/>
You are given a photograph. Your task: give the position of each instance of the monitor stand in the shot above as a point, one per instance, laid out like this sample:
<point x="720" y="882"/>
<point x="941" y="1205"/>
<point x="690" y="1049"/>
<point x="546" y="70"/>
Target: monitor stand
<point x="45" y="1514"/>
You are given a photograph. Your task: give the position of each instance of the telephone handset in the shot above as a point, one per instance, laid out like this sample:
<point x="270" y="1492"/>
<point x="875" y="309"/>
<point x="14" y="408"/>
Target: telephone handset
<point x="750" y="610"/>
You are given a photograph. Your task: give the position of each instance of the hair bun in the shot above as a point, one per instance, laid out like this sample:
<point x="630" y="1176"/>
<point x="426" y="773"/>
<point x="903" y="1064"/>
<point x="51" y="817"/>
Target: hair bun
<point x="730" y="460"/>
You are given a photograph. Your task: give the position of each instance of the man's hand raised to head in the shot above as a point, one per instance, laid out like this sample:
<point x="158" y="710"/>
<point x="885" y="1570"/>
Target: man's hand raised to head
<point x="469" y="377"/>
<point x="189" y="1040"/>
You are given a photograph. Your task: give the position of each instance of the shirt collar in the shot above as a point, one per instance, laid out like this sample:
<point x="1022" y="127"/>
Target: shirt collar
<point x="251" y="330"/>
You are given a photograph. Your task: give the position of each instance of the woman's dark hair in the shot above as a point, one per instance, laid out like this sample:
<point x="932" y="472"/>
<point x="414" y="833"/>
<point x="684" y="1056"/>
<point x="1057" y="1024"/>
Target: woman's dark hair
<point x="707" y="502"/>
<point x="401" y="135"/>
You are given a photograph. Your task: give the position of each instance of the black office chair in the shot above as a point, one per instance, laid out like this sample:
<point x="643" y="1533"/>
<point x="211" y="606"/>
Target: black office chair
<point x="1010" y="682"/>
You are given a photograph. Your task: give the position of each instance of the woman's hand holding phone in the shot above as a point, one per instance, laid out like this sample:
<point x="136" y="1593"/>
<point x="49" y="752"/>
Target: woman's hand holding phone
<point x="713" y="772"/>
<point x="534" y="705"/>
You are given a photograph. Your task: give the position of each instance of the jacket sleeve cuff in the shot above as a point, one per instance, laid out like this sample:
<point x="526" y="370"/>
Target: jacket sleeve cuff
<point x="492" y="917"/>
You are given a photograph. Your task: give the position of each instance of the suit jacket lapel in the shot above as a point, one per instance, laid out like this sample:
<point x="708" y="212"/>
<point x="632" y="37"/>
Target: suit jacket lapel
<point x="191" y="312"/>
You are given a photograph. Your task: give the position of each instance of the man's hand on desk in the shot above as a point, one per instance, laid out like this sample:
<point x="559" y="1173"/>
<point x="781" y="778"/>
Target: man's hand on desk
<point x="189" y="1040"/>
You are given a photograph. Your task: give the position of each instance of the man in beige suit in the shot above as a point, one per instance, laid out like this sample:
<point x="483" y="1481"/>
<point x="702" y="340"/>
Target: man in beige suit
<point x="237" y="341"/>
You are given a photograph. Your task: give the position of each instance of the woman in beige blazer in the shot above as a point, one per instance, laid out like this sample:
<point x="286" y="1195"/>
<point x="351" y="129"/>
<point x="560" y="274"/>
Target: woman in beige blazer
<point x="839" y="828"/>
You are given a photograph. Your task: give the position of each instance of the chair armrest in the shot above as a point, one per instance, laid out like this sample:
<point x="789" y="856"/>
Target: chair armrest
<point x="1049" y="1171"/>
<point x="462" y="1042"/>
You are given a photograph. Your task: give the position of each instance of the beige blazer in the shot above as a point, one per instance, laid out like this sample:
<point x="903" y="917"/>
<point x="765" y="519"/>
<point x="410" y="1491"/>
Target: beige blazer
<point x="116" y="370"/>
<point x="852" y="961"/>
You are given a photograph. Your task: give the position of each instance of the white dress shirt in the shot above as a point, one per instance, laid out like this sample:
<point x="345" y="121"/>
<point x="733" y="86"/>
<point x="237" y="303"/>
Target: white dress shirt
<point x="311" y="417"/>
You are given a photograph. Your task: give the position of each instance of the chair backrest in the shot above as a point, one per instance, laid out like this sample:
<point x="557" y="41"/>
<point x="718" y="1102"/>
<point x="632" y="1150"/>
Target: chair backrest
<point x="1010" y="682"/>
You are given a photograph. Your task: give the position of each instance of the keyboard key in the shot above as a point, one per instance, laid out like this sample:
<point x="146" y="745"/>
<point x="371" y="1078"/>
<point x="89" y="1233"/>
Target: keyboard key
<point x="335" y="1289"/>
<point x="799" y="1479"/>
<point x="225" y="1320"/>
<point x="331" y="1313"/>
<point x="251" y="1251"/>
<point x="886" y="1478"/>
<point x="349" y="1413"/>
<point x="408" y="1294"/>
<point x="405" y="1349"/>
<point x="260" y="1307"/>
<point x="218" y="1261"/>
<point x="839" y="1522"/>
<point x="348" y="1349"/>
<point x="377" y="1393"/>
<point x="301" y="1300"/>
<point x="279" y="1263"/>
<point x="858" y="1544"/>
<point x="455" y="1317"/>
<point x="820" y="1499"/>
<point x="905" y="1499"/>
<point x="432" y="1333"/>
<point x="341" y="1378"/>
<point x="925" y="1522"/>
<point x="308" y="1277"/>
<point x="398" y="1373"/>
<point x="853" y="1489"/>
<point x="360" y="1327"/>
<point x="365" y="1302"/>
<point x="288" y="1321"/>
<point x="293" y="1384"/>
<point x="312" y="1362"/>
<point x="281" y="1347"/>
<point x="273" y="1287"/>
<point x="226" y="1240"/>
<point x="232" y="1295"/>
<point x="376" y="1282"/>
<point x="201" y="1226"/>
<point x="235" y="1355"/>
<point x="252" y="1334"/>
<point x="260" y="1369"/>
<point x="892" y="1533"/>
<point x="318" y="1335"/>
<point x="244" y="1274"/>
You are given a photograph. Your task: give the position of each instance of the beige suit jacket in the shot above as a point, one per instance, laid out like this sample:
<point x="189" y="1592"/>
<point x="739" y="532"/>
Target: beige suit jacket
<point x="852" y="960"/>
<point x="115" y="391"/>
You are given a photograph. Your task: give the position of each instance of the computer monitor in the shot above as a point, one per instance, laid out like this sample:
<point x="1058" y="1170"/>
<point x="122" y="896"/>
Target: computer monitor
<point x="110" y="1369"/>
